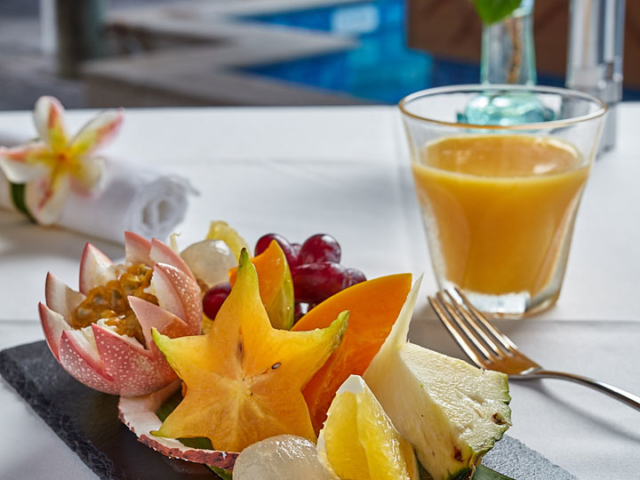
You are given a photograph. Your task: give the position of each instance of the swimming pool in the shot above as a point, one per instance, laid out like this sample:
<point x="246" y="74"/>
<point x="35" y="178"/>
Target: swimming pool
<point x="383" y="68"/>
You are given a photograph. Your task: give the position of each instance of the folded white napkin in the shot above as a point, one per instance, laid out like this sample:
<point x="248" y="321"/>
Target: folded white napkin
<point x="134" y="198"/>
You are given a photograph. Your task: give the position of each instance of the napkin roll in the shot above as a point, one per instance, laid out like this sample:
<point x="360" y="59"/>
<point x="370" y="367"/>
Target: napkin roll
<point x="133" y="198"/>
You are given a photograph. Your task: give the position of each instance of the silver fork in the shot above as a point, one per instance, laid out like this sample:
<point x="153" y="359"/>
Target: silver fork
<point x="489" y="348"/>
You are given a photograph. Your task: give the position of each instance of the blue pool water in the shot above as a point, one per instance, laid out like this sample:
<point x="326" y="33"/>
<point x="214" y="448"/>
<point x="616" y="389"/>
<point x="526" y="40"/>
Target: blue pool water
<point x="382" y="69"/>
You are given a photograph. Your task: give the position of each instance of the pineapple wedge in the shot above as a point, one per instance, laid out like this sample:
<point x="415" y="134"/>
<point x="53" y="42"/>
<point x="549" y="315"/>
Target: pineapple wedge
<point x="451" y="412"/>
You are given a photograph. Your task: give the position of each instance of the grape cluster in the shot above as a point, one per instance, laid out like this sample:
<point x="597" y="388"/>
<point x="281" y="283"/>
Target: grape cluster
<point x="315" y="268"/>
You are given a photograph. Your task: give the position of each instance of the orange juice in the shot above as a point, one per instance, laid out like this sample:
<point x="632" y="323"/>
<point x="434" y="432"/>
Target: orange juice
<point x="499" y="209"/>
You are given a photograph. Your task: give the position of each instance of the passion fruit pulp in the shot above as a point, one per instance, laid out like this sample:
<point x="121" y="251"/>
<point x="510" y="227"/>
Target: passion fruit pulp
<point x="109" y="302"/>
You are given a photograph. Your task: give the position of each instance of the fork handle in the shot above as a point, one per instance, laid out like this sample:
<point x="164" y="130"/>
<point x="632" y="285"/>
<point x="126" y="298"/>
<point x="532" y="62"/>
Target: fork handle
<point x="615" y="392"/>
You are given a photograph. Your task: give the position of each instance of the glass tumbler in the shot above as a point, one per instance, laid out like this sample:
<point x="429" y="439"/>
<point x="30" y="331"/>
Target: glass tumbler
<point x="499" y="200"/>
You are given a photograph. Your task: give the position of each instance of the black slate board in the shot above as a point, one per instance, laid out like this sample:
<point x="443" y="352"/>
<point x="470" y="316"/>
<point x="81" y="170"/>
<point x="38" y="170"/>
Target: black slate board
<point x="87" y="421"/>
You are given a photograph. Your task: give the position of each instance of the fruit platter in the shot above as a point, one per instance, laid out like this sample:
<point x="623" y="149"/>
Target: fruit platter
<point x="272" y="363"/>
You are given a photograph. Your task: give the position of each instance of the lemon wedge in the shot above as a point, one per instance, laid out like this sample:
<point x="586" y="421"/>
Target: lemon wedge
<point x="358" y="440"/>
<point x="219" y="230"/>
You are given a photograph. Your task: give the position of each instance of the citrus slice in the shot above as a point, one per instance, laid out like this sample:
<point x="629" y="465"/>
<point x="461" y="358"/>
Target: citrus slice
<point x="276" y="286"/>
<point x="359" y="442"/>
<point x="219" y="230"/>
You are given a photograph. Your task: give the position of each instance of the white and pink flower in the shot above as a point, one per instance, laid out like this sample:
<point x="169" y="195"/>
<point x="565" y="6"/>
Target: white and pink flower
<point x="55" y="163"/>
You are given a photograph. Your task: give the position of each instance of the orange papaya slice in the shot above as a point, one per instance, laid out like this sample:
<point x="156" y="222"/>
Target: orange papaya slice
<point x="374" y="306"/>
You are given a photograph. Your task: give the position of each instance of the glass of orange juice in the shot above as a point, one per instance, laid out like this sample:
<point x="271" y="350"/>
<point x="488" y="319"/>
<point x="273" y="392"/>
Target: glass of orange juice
<point x="499" y="199"/>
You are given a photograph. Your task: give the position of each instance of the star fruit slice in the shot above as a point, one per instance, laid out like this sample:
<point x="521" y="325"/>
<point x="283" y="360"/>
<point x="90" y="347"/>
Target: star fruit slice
<point x="358" y="440"/>
<point x="244" y="379"/>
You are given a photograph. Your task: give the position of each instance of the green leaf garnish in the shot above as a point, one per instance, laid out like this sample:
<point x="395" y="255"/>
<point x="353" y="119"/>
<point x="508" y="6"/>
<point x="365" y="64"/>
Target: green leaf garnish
<point x="481" y="473"/>
<point x="492" y="11"/>
<point x="18" y="197"/>
<point x="484" y="473"/>
<point x="169" y="405"/>
<point x="222" y="473"/>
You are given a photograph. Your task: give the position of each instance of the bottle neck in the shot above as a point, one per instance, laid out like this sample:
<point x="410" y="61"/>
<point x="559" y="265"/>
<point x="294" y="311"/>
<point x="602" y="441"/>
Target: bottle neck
<point x="508" y="53"/>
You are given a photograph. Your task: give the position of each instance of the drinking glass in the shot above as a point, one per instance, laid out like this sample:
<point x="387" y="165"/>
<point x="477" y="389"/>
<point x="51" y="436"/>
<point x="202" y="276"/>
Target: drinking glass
<point x="499" y="199"/>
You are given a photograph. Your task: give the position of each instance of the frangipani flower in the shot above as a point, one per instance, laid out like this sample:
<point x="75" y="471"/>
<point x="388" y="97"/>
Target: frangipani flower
<point x="54" y="164"/>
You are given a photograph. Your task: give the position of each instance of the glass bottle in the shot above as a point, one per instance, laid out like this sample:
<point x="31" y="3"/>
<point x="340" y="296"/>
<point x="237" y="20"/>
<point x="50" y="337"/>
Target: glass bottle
<point x="508" y="57"/>
<point x="508" y="52"/>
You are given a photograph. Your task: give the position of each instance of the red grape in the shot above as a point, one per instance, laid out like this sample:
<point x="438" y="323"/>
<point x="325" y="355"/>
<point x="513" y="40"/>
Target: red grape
<point x="287" y="248"/>
<point x="320" y="248"/>
<point x="355" y="276"/>
<point x="214" y="299"/>
<point x="318" y="281"/>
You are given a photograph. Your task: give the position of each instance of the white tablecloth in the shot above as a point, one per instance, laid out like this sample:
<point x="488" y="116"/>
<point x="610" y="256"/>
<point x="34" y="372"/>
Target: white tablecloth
<point x="344" y="171"/>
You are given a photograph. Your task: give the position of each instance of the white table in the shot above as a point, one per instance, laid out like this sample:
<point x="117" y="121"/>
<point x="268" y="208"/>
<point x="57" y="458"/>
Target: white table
<point x="344" y="171"/>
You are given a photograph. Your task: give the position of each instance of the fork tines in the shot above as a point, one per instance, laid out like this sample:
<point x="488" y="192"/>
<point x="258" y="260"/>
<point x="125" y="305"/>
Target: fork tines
<point x="480" y="340"/>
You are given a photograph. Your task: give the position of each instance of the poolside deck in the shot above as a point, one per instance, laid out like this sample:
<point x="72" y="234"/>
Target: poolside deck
<point x="196" y="53"/>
